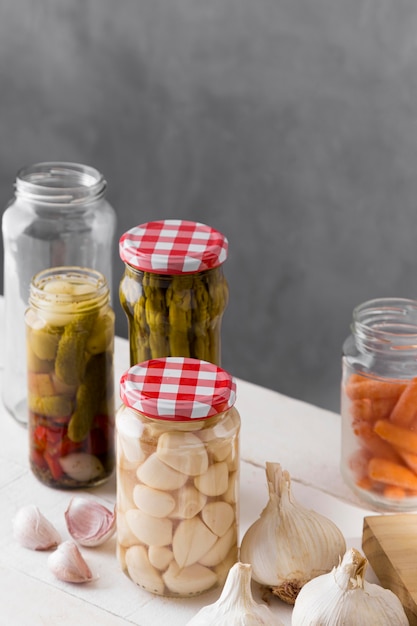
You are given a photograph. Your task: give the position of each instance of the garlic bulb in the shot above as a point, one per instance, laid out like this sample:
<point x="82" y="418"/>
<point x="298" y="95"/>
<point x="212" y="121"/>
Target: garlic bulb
<point x="89" y="523"/>
<point x="68" y="564"/>
<point x="289" y="545"/>
<point x="32" y="530"/>
<point x="236" y="606"/>
<point x="344" y="597"/>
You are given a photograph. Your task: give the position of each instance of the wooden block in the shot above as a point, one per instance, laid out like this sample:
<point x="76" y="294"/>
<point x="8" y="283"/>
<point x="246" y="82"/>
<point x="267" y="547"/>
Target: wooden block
<point x="389" y="542"/>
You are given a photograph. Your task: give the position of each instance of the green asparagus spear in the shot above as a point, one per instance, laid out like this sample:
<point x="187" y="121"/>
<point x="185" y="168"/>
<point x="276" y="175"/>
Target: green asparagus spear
<point x="200" y="323"/>
<point x="156" y="316"/>
<point x="178" y="298"/>
<point x="139" y="344"/>
<point x="219" y="294"/>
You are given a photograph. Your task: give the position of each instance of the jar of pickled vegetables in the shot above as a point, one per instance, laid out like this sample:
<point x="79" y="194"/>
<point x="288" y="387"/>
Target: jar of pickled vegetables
<point x="59" y="216"/>
<point x="173" y="290"/>
<point x="70" y="391"/>
<point x="379" y="404"/>
<point x="177" y="475"/>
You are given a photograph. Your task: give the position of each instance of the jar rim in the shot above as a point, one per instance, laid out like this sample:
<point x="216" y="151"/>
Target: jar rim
<point x="60" y="182"/>
<point x="386" y="324"/>
<point x="89" y="298"/>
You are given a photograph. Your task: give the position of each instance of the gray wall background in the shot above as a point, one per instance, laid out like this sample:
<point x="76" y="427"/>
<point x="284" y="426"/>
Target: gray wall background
<point x="289" y="125"/>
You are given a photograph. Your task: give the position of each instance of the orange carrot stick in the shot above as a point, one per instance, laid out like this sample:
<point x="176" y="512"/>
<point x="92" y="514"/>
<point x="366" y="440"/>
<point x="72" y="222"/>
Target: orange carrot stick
<point x="371" y="388"/>
<point x="394" y="493"/>
<point x="409" y="459"/>
<point x="391" y="473"/>
<point x="399" y="437"/>
<point x="361" y="409"/>
<point x="373" y="442"/>
<point x="405" y="409"/>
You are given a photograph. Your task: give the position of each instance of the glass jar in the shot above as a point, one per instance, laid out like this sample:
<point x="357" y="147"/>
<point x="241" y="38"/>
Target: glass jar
<point x="70" y="392"/>
<point x="379" y="404"/>
<point x="58" y="217"/>
<point x="177" y="475"/>
<point x="173" y="290"/>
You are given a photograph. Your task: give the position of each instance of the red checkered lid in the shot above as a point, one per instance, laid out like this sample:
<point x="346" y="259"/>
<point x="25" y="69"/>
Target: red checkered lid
<point x="177" y="389"/>
<point x="173" y="247"/>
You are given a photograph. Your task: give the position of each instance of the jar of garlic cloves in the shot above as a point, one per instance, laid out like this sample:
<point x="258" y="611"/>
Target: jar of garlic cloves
<point x="173" y="290"/>
<point x="70" y="393"/>
<point x="177" y="475"/>
<point x="379" y="404"/>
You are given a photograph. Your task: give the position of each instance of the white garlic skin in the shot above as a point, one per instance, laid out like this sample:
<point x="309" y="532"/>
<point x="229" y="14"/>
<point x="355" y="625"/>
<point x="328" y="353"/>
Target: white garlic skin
<point x="68" y="564"/>
<point x="89" y="523"/>
<point x="32" y="530"/>
<point x="289" y="545"/>
<point x="343" y="597"/>
<point x="236" y="606"/>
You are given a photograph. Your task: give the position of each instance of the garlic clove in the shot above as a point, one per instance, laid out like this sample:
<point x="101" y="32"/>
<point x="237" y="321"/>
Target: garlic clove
<point x="89" y="523"/>
<point x="189" y="502"/>
<point x="153" y="501"/>
<point x="81" y="466"/>
<point x="189" y="580"/>
<point x="236" y="606"/>
<point x="142" y="572"/>
<point x="218" y="552"/>
<point x="160" y="556"/>
<point x="32" y="530"/>
<point x="289" y="545"/>
<point x="183" y="452"/>
<point x="154" y="473"/>
<point x="192" y="539"/>
<point x="214" y="481"/>
<point x="68" y="564"/>
<point x="343" y="597"/>
<point x="218" y="516"/>
<point x="153" y="531"/>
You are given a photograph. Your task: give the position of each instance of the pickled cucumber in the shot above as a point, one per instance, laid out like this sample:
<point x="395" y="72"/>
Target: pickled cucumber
<point x="70" y="360"/>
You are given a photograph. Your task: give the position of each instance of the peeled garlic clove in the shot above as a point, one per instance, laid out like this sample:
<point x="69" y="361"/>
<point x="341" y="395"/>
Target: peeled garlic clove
<point x="236" y="606"/>
<point x="289" y="545"/>
<point x="183" y="452"/>
<point x="214" y="481"/>
<point x="192" y="539"/>
<point x="189" y="580"/>
<point x="343" y="597"/>
<point x="32" y="530"/>
<point x="154" y="531"/>
<point x="141" y="571"/>
<point x="89" y="523"/>
<point x="154" y="473"/>
<point x="152" y="501"/>
<point x="160" y="556"/>
<point x="81" y="466"/>
<point x="189" y="502"/>
<point x="218" y="516"/>
<point x="220" y="550"/>
<point x="68" y="564"/>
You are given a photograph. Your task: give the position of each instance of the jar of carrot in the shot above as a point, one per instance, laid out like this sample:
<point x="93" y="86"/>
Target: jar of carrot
<point x="379" y="404"/>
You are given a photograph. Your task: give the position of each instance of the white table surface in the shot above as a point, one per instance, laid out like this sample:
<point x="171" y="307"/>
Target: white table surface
<point x="304" y="439"/>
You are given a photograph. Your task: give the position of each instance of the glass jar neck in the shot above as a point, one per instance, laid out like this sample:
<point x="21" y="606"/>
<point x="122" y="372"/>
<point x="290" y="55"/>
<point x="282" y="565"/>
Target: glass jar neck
<point x="60" y="183"/>
<point x="83" y="289"/>
<point x="386" y="326"/>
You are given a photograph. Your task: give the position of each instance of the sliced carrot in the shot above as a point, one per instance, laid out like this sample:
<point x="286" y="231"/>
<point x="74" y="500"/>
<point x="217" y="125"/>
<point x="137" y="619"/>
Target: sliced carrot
<point x="373" y="442"/>
<point x="373" y="388"/>
<point x="405" y="409"/>
<point x="397" y="436"/>
<point x="391" y="473"/>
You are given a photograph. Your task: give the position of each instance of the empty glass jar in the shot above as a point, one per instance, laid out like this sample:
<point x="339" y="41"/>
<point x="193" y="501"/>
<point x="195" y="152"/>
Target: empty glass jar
<point x="58" y="217"/>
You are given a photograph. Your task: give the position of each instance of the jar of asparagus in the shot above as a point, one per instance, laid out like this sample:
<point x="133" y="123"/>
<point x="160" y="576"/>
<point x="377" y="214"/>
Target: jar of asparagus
<point x="69" y="340"/>
<point x="173" y="290"/>
<point x="177" y="475"/>
<point x="379" y="404"/>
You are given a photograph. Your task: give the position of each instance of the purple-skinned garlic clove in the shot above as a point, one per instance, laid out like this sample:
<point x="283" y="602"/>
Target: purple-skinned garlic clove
<point x="89" y="523"/>
<point x="33" y="530"/>
<point x="68" y="564"/>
